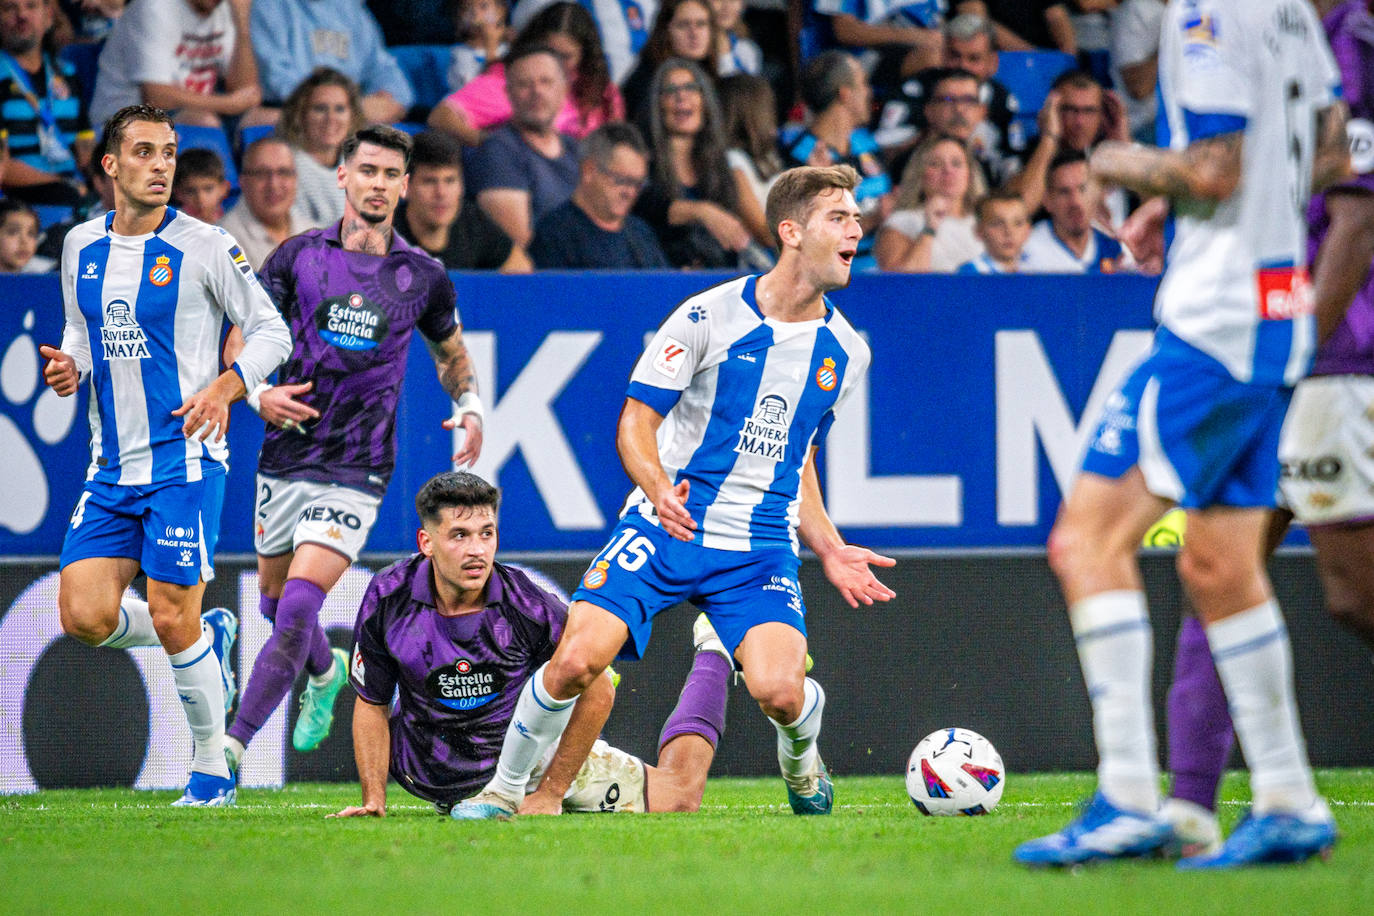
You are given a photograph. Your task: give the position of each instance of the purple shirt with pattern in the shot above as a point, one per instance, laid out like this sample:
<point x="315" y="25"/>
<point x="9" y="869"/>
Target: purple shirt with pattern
<point x="1350" y="27"/>
<point x="455" y="679"/>
<point x="350" y="316"/>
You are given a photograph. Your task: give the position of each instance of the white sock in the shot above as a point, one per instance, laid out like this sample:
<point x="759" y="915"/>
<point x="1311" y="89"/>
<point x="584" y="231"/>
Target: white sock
<point x="797" y="751"/>
<point x="1116" y="649"/>
<point x="319" y="681"/>
<point x="1255" y="664"/>
<point x="135" y="627"/>
<point x="197" y="676"/>
<point x="538" y="722"/>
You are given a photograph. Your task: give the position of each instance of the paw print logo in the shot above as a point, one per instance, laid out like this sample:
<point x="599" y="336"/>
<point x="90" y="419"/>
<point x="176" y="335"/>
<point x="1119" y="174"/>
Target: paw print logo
<point x="698" y="313"/>
<point x="46" y="420"/>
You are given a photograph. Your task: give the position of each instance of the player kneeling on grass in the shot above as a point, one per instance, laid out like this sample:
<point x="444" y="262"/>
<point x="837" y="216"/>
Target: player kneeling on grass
<point x="453" y="635"/>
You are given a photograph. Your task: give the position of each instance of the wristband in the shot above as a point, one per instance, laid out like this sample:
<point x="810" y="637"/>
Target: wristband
<point x="926" y="230"/>
<point x="468" y="403"/>
<point x="254" y="397"/>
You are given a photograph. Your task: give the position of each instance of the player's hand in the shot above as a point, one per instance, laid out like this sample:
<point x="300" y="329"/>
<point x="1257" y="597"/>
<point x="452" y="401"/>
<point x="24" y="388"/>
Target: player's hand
<point x="848" y="570"/>
<point x="1049" y="120"/>
<point x="472" y="439"/>
<point x="60" y="373"/>
<point x="207" y="411"/>
<point x="671" y="505"/>
<point x="1115" y="124"/>
<point x="243" y="98"/>
<point x="539" y="802"/>
<point x="936" y="209"/>
<point x="279" y="406"/>
<point x="373" y="810"/>
<point x="1143" y="234"/>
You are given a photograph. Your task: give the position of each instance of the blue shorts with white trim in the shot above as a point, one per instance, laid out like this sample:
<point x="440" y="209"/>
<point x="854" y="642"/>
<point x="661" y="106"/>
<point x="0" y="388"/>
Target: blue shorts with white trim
<point x="644" y="570"/>
<point x="1200" y="437"/>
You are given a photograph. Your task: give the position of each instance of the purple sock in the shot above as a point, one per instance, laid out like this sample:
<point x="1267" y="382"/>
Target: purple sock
<point x="268" y="607"/>
<point x="1200" y="732"/>
<point x="320" y="657"/>
<point x="281" y="659"/>
<point x="700" y="707"/>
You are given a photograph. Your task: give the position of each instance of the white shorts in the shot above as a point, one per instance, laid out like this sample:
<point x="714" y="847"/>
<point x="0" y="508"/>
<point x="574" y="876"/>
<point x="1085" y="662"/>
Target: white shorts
<point x="289" y="513"/>
<point x="1327" y="451"/>
<point x="610" y="780"/>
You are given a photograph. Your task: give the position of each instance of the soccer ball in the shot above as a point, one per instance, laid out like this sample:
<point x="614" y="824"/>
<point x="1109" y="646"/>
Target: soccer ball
<point x="955" y="771"/>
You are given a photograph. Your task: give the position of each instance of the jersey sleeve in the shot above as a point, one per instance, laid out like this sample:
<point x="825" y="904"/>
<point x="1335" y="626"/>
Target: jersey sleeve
<point x="267" y="341"/>
<point x="440" y="317"/>
<point x="1212" y="85"/>
<point x="76" y="341"/>
<point x="860" y="356"/>
<point x="373" y="671"/>
<point x="667" y="365"/>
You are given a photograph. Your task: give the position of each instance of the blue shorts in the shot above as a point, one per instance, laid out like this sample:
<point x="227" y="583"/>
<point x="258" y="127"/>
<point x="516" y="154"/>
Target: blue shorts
<point x="644" y="570"/>
<point x="171" y="529"/>
<point x="1200" y="437"/>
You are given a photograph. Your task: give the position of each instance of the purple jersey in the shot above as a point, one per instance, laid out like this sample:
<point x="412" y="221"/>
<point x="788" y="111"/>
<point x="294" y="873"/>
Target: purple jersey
<point x="350" y="315"/>
<point x="1350" y="27"/>
<point x="455" y="679"/>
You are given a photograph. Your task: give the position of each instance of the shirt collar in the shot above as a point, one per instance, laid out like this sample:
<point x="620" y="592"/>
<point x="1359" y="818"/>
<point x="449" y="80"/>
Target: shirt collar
<point x="333" y="235"/>
<point x="422" y="585"/>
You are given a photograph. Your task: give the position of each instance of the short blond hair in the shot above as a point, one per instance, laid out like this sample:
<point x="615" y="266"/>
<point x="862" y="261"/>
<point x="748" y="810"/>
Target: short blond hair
<point x="796" y="190"/>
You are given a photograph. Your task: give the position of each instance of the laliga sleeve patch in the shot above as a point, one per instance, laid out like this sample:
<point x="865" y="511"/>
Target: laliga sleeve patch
<point x="359" y="671"/>
<point x="671" y="357"/>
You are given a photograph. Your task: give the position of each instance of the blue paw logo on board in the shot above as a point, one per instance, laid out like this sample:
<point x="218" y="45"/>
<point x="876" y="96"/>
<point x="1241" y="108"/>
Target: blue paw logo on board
<point x="351" y="322"/>
<point x="463" y="685"/>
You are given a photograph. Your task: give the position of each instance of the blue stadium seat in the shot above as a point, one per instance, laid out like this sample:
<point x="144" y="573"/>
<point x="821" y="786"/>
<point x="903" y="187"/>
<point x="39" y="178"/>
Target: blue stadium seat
<point x="84" y="56"/>
<point x="426" y="66"/>
<point x="1028" y="75"/>
<point x="249" y="134"/>
<point x="190" y="136"/>
<point x="51" y="214"/>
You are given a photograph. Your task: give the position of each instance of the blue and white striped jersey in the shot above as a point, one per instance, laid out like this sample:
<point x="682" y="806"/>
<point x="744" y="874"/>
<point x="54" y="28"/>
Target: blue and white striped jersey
<point x="744" y="398"/>
<point x="145" y="316"/>
<point x="1236" y="286"/>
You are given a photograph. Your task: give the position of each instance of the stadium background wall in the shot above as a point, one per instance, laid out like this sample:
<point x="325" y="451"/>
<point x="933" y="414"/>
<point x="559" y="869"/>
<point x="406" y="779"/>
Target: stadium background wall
<point x="957" y="447"/>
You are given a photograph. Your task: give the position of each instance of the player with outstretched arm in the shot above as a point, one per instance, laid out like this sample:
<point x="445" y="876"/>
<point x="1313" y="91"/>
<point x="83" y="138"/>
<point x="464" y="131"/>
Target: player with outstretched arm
<point x="726" y="409"/>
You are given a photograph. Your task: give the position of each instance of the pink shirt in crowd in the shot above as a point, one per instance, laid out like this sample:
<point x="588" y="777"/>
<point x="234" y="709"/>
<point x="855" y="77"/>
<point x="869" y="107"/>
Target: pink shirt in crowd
<point x="483" y="100"/>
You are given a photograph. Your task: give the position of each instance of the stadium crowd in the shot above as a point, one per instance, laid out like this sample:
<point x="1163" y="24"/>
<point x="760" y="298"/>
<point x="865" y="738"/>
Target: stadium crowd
<point x="951" y="111"/>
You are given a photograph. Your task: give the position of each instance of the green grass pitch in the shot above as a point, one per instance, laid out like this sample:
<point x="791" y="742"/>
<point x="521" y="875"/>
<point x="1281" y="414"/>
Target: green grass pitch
<point x="120" y="851"/>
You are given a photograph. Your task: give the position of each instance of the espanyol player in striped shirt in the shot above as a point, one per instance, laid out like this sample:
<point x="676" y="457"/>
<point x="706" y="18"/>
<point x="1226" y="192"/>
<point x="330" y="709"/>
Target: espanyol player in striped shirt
<point x="147" y="290"/>
<point x="719" y="432"/>
<point x="1252" y="100"/>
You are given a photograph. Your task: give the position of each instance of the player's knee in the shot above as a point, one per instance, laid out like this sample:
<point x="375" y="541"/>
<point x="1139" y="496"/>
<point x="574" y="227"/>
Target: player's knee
<point x="570" y="673"/>
<point x="1353" y="609"/>
<point x="781" y="699"/>
<point x="1201" y="572"/>
<point x="1064" y="549"/>
<point x="85" y="627"/>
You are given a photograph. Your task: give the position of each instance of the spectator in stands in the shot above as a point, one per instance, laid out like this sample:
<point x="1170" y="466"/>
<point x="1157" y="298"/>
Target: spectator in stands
<point x="997" y="141"/>
<point x="835" y="90"/>
<point x="526" y="167"/>
<point x="91" y="20"/>
<point x="594" y="229"/>
<point x="1077" y="115"/>
<point x="266" y="215"/>
<point x="684" y="29"/>
<point x="751" y="135"/>
<point x="41" y="111"/>
<point x="1135" y="62"/>
<point x="932" y="228"/>
<point x="100" y="200"/>
<point x="622" y="24"/>
<point x="199" y="187"/>
<point x="690" y="200"/>
<point x="318" y="116"/>
<point x="1024" y="25"/>
<point x="592" y="99"/>
<point x="1067" y="241"/>
<point x="175" y="55"/>
<point x="484" y="35"/>
<point x="894" y="38"/>
<point x="19" y="233"/>
<point x="736" y="52"/>
<point x="294" y="37"/>
<point x="1003" y="226"/>
<point x="435" y="216"/>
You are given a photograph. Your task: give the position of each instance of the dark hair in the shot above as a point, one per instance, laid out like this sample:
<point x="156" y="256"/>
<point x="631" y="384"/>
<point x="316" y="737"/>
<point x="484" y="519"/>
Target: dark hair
<point x="293" y="109"/>
<point x="436" y="149"/>
<point x="951" y="73"/>
<point x="462" y="29"/>
<point x="600" y="144"/>
<point x="1075" y="79"/>
<point x="714" y="182"/>
<point x="461" y="489"/>
<point x="382" y="135"/>
<point x="9" y="205"/>
<point x="520" y="52"/>
<point x="118" y="125"/>
<point x="795" y="192"/>
<point x="749" y="110"/>
<point x="659" y="47"/>
<point x="198" y="163"/>
<point x="273" y="139"/>
<point x="588" y="87"/>
<point x="824" y="76"/>
<point x="1067" y="157"/>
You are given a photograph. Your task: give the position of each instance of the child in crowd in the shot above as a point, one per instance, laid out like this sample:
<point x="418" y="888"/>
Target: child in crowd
<point x="483" y="28"/>
<point x="19" y="233"/>
<point x="736" y="52"/>
<point x="200" y="188"/>
<point x="1003" y="225"/>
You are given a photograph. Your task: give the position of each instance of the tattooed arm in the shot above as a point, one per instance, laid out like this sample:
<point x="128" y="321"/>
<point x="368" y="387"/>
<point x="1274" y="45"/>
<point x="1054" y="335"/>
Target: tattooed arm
<point x="454" y="366"/>
<point x="1208" y="169"/>
<point x="1331" y="160"/>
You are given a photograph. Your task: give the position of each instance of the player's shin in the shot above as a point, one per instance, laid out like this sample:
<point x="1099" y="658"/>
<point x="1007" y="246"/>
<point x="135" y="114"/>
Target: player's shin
<point x="1255" y="663"/>
<point x="135" y="626"/>
<point x="1115" y="649"/>
<point x="700" y="708"/>
<point x="538" y="722"/>
<point x="196" y="673"/>
<point x="798" y="755"/>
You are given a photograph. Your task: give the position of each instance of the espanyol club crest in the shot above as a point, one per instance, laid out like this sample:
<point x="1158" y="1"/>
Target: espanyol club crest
<point x="826" y="377"/>
<point x="596" y="576"/>
<point x="160" y="274"/>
